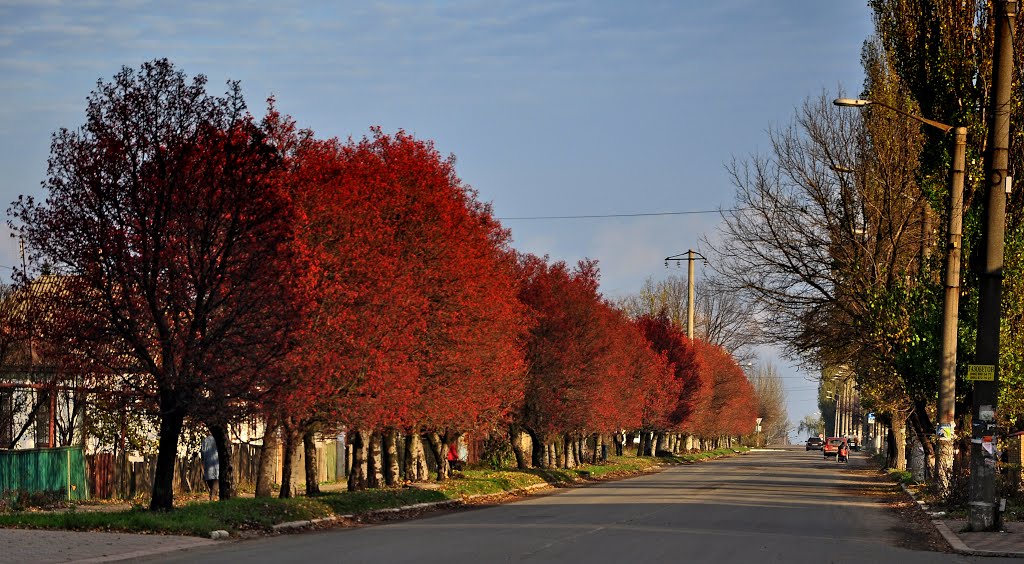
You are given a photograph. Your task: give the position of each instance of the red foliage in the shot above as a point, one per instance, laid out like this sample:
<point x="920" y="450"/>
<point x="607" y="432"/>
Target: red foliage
<point x="733" y="407"/>
<point x="172" y="241"/>
<point x="694" y="386"/>
<point x="417" y="321"/>
<point x="590" y="369"/>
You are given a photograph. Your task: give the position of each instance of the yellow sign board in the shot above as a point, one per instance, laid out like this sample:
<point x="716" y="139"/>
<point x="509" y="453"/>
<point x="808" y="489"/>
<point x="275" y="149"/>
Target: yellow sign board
<point x="981" y="372"/>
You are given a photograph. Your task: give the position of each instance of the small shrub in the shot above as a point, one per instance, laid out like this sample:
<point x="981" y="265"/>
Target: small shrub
<point x="497" y="452"/>
<point x="902" y="476"/>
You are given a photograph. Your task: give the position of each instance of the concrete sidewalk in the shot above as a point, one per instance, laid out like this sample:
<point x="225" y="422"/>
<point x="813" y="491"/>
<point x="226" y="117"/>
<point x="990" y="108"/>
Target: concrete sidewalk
<point x="1008" y="542"/>
<point x="34" y="545"/>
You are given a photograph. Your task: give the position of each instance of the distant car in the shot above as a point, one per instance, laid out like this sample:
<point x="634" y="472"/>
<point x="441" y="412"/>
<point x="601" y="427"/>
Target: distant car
<point x="831" y="446"/>
<point x="854" y="445"/>
<point x="814" y="443"/>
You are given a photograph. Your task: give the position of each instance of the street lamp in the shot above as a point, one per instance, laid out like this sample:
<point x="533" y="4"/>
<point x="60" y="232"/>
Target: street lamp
<point x="951" y="299"/>
<point x="860" y="103"/>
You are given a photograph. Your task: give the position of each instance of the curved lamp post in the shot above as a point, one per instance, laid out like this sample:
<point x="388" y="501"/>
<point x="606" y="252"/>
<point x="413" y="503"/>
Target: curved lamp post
<point x="951" y="300"/>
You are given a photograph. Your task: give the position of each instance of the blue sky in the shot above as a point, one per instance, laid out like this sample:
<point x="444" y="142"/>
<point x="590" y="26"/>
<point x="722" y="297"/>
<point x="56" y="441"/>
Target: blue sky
<point x="551" y="108"/>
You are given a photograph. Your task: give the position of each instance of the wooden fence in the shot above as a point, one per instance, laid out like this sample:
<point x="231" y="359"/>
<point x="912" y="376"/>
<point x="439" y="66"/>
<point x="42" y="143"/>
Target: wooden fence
<point x="120" y="478"/>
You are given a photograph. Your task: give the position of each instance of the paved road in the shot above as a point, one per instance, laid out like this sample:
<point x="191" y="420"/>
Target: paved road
<point x="783" y="506"/>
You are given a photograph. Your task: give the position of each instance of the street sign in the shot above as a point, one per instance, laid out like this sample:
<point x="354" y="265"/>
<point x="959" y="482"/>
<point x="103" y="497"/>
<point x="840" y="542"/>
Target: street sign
<point x="981" y="372"/>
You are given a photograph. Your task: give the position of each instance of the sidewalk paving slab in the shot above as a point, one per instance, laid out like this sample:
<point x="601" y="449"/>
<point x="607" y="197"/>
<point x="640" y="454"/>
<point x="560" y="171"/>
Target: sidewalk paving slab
<point x="1008" y="542"/>
<point x="45" y="546"/>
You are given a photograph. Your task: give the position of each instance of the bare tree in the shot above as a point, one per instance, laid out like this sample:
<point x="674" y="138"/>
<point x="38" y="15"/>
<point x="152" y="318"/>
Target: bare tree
<point x="720" y="316"/>
<point x="771" y="402"/>
<point x="808" y="245"/>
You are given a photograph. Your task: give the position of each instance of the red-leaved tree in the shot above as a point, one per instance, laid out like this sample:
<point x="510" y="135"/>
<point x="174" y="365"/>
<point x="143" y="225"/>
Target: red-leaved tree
<point x="590" y="369"/>
<point x="732" y="411"/>
<point x="694" y="385"/>
<point x="417" y="324"/>
<point x="165" y="220"/>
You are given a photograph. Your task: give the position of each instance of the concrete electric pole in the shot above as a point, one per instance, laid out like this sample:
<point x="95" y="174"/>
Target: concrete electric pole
<point x="982" y="511"/>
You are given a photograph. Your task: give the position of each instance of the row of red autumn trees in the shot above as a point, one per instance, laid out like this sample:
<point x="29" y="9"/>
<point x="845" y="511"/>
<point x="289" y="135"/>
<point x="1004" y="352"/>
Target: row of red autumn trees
<point x="220" y="267"/>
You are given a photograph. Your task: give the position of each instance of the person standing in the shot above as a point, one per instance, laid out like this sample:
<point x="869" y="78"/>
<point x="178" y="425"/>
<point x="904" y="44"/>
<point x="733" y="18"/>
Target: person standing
<point x="211" y="464"/>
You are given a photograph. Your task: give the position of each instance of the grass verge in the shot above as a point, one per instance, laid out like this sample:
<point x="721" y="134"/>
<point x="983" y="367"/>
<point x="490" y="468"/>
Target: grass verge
<point x="261" y="514"/>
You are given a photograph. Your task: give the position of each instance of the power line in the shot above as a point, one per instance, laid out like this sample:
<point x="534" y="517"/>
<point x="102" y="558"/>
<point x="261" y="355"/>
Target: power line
<point x="612" y="215"/>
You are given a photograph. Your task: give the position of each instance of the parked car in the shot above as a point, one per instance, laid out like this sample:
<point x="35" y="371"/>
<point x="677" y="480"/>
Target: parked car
<point x="854" y="445"/>
<point x="831" y="446"/>
<point x="814" y="443"/>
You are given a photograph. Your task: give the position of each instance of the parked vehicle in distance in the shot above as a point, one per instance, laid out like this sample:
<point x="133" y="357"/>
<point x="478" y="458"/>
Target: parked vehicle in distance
<point x="831" y="446"/>
<point x="813" y="443"/>
<point x="854" y="445"/>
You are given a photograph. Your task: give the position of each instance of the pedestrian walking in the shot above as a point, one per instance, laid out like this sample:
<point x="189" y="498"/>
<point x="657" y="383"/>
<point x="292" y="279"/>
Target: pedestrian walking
<point x="211" y="464"/>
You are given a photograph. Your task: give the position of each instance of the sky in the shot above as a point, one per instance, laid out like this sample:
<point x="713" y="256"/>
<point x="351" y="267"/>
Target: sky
<point x="551" y="108"/>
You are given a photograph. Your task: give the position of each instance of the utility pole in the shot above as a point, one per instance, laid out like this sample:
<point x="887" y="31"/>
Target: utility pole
<point x="982" y="512"/>
<point x="950" y="314"/>
<point x="691" y="255"/>
<point x="689" y="294"/>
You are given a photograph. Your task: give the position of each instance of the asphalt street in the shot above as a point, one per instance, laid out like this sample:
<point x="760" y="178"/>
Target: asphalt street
<point x="767" y="506"/>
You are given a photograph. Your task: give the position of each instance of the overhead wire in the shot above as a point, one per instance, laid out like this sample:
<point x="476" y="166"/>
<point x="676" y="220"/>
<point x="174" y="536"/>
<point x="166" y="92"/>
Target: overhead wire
<point x="613" y="215"/>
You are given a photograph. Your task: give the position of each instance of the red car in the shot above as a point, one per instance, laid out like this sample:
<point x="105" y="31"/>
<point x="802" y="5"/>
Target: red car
<point x="833" y="446"/>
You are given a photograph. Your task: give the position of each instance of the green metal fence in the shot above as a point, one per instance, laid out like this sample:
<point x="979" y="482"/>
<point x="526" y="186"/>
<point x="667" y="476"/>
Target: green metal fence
<point x="44" y="470"/>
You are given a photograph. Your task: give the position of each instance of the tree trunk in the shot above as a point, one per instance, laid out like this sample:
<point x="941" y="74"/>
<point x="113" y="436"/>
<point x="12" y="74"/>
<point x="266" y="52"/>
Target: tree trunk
<point x="289" y="440"/>
<point x="265" y="474"/>
<point x="515" y="438"/>
<point x="226" y="477"/>
<point x="538" y="452"/>
<point x="898" y="444"/>
<point x="415" y="463"/>
<point x="357" y="476"/>
<point x="645" y="446"/>
<point x="391" y="469"/>
<point x="312" y="464"/>
<point x="170" y="430"/>
<point x="373" y="461"/>
<point x="661" y="445"/>
<point x="924" y="429"/>
<point x="439" y="448"/>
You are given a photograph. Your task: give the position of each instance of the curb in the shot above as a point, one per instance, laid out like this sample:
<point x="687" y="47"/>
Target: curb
<point x="293" y="525"/>
<point x="296" y="524"/>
